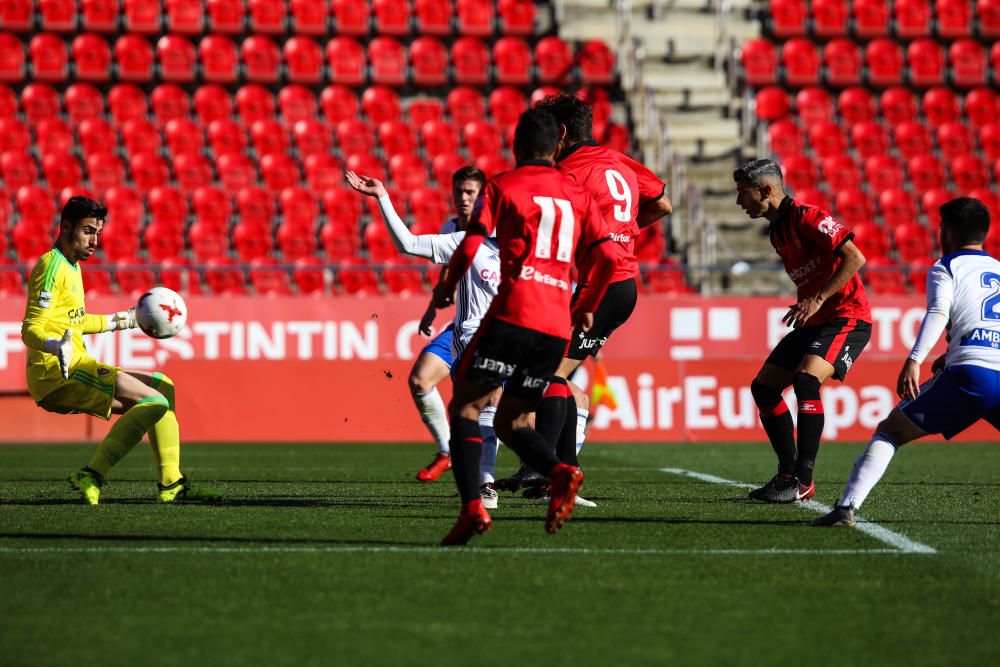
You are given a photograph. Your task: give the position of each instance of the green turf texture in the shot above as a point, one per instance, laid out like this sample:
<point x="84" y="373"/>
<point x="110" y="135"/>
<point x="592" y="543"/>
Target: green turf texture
<point x="248" y="582"/>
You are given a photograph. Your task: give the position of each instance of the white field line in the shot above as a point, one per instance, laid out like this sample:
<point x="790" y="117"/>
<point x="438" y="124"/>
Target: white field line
<point x="901" y="543"/>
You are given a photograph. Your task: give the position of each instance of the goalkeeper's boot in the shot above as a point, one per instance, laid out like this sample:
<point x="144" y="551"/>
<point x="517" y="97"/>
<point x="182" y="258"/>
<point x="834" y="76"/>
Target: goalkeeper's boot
<point x="88" y="483"/>
<point x="489" y="495"/>
<point x="183" y="491"/>
<point x="524" y="477"/>
<point x="565" y="480"/>
<point x="473" y="522"/>
<point x="433" y="470"/>
<point x="840" y="516"/>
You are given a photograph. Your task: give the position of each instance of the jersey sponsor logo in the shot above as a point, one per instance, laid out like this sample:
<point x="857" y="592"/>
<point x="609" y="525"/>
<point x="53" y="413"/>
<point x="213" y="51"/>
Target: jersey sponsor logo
<point x="621" y="238"/>
<point x="529" y="273"/>
<point x="491" y="278"/>
<point x="830" y="227"/>
<point x="103" y="371"/>
<point x="76" y="313"/>
<point x="532" y="382"/>
<point x="800" y="274"/>
<point x="501" y="368"/>
<point x="848" y="362"/>
<point x="808" y="406"/>
<point x="44" y="299"/>
<point x="979" y="337"/>
<point x="590" y="343"/>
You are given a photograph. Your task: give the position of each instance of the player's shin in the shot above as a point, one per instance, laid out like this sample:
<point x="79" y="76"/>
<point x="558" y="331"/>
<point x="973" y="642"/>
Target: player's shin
<point x="777" y="423"/>
<point x="435" y="417"/>
<point x="810" y="425"/>
<point x="566" y="447"/>
<point x="532" y="448"/>
<point x="488" y="458"/>
<point x="126" y="433"/>
<point x="582" y="416"/>
<point x="466" y="450"/>
<point x="551" y="413"/>
<point x="868" y="470"/>
<point x="166" y="441"/>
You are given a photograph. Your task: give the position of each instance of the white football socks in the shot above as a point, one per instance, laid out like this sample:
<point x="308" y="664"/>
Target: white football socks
<point x="435" y="417"/>
<point x="868" y="470"/>
<point x="581" y="428"/>
<point x="488" y="459"/>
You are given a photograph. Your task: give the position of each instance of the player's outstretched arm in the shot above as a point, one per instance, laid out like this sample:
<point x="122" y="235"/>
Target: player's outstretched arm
<point x="123" y="319"/>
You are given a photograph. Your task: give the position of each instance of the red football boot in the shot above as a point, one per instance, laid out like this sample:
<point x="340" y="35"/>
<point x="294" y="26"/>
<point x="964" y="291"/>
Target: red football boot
<point x="474" y="520"/>
<point x="564" y="482"/>
<point x="440" y="464"/>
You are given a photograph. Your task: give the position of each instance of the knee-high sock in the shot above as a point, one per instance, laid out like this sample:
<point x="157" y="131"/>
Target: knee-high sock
<point x="165" y="435"/>
<point x="551" y="413"/>
<point x="810" y="425"/>
<point x="777" y="423"/>
<point x="466" y="450"/>
<point x="566" y="447"/>
<point x="435" y="417"/>
<point x="532" y="448"/>
<point x="488" y="458"/>
<point x="581" y="428"/>
<point x="127" y="432"/>
<point x="868" y="470"/>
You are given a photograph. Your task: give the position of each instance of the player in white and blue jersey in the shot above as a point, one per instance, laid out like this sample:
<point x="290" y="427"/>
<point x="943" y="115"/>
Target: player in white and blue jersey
<point x="475" y="293"/>
<point x="963" y="296"/>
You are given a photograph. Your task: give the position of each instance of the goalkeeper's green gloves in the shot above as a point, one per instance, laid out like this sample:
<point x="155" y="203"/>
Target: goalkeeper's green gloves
<point x="63" y="349"/>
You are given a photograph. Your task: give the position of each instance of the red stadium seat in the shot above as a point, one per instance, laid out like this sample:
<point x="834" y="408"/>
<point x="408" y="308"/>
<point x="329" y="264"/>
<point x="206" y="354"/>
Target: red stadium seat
<point x="192" y="171"/>
<point x="309" y="16"/>
<point x="35" y="203"/>
<point x="813" y="196"/>
<point x="843" y="62"/>
<point x="428" y="206"/>
<point x="255" y="204"/>
<point x="785" y="137"/>
<point x="119" y="241"/>
<point x="392" y="17"/>
<point x="92" y="57"/>
<point x="482" y="138"/>
<point x="540" y="93"/>
<point x="212" y="206"/>
<point x="988" y="13"/>
<point x="212" y="102"/>
<point x="339" y="103"/>
<point x="82" y="101"/>
<point x="220" y="59"/>
<point x="17" y="170"/>
<point x="856" y="105"/>
<point x="342" y="206"/>
<point x="883" y="277"/>
<point x="11" y="58"/>
<point x="953" y="139"/>
<point x="169" y="101"/>
<point x="517" y="17"/>
<point x="279" y="171"/>
<point x="401" y="277"/>
<point x="387" y="59"/>
<point x="429" y="59"/>
<point x="105" y="171"/>
<point x="378" y="242"/>
<point x="354" y="136"/>
<point x="346" y="58"/>
<point x="323" y="171"/>
<point x="465" y="104"/>
<point x="132" y="278"/>
<point x="840" y="172"/>
<point x="475" y="17"/>
<point x="871" y="239"/>
<point x="512" y="58"/>
<point x="982" y="106"/>
<point x="207" y="243"/>
<point x="235" y="171"/>
<point x="926" y="61"/>
<point x="142" y="16"/>
<point x="17" y="15"/>
<point x="931" y="202"/>
<point x="554" y="58"/>
<point x="760" y="62"/>
<point x="898" y="105"/>
<point x="134" y="56"/>
<point x="226" y="16"/>
<point x="408" y="173"/>
<point x="869" y="138"/>
<point x="311" y="138"/>
<point x="261" y="59"/>
<point x="772" y="103"/>
<point x="438" y="138"/>
<point x="352" y="17"/>
<point x="298" y="206"/>
<point x="254" y="102"/>
<point x="799" y="172"/>
<point x="296" y="241"/>
<point x="251" y="240"/>
<point x="49" y="58"/>
<point x="884" y="61"/>
<point x="124" y="206"/>
<point x="357" y="280"/>
<point x="267" y="279"/>
<point x="226" y="136"/>
<point x="38" y="101"/>
<point x="968" y="172"/>
<point x="368" y="165"/>
<point x="54" y="136"/>
<point x="953" y="18"/>
<point x="802" y="62"/>
<point x="97" y="137"/>
<point x="140" y="136"/>
<point x="986" y="196"/>
<point x="11" y="281"/>
<point x="14" y="136"/>
<point x="926" y="173"/>
<point x="395" y="138"/>
<point x="424" y="109"/>
<point x="989" y="141"/>
<point x="913" y="18"/>
<point x="97" y="280"/>
<point x="444" y="167"/>
<point x="309" y="276"/>
<point x="918" y="270"/>
<point x="381" y="104"/>
<point x="224" y="279"/>
<point x="506" y="106"/>
<point x="470" y="60"/>
<point x="897" y="207"/>
<point x="61" y="171"/>
<point x="882" y="172"/>
<point x="185" y="17"/>
<point x="267" y="16"/>
<point x="912" y="241"/>
<point x="968" y="63"/>
<point x="912" y="139"/>
<point x="826" y="139"/>
<point x="829" y="18"/>
<point x="596" y="61"/>
<point x="339" y="243"/>
<point x="167" y="205"/>
<point x="304" y="59"/>
<point x="814" y="105"/>
<point x="788" y="17"/>
<point x="162" y="241"/>
<point x="433" y="17"/>
<point x="995" y="56"/>
<point x="30" y="242"/>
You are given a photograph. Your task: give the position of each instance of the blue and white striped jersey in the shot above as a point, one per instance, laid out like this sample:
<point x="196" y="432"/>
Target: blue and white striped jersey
<point x="476" y="289"/>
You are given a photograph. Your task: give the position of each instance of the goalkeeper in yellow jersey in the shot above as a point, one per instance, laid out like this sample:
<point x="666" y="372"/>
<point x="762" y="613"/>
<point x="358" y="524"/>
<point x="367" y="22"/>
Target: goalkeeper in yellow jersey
<point x="64" y="378"/>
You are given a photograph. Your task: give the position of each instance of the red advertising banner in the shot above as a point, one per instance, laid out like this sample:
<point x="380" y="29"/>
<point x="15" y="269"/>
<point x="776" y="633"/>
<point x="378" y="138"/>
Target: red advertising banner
<point x="305" y="369"/>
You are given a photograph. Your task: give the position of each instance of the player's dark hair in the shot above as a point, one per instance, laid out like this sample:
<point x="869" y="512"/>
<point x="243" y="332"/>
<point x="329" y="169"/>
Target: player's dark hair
<point x="468" y="173"/>
<point x="537" y="134"/>
<point x="80" y="208"/>
<point x="758" y="172"/>
<point x="968" y="219"/>
<point x="574" y="113"/>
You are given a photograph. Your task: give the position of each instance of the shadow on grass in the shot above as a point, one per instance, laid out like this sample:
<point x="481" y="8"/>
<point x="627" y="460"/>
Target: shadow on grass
<point x="197" y="539"/>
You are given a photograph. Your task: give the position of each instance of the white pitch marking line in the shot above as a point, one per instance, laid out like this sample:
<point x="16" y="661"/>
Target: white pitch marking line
<point x="440" y="550"/>
<point x="902" y="543"/>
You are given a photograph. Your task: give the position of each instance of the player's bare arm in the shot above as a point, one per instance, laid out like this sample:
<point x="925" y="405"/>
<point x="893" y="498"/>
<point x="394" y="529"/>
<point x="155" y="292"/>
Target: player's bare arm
<point x="851" y="261"/>
<point x="653" y="211"/>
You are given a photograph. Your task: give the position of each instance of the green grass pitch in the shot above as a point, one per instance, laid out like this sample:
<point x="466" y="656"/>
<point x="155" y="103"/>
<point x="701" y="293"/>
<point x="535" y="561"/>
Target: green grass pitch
<point x="323" y="555"/>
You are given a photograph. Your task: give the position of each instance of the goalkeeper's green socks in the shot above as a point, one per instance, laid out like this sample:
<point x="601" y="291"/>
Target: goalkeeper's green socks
<point x="164" y="436"/>
<point x="127" y="432"/>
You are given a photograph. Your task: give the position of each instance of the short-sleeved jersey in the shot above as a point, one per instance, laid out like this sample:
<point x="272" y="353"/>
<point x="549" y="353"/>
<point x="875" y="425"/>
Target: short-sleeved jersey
<point x="807" y="239"/>
<point x="965" y="286"/>
<point x="55" y="303"/>
<point x="619" y="185"/>
<point x="544" y="222"/>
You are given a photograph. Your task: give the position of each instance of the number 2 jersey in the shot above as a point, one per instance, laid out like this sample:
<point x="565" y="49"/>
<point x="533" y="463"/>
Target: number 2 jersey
<point x="544" y="222"/>
<point x="619" y="185"/>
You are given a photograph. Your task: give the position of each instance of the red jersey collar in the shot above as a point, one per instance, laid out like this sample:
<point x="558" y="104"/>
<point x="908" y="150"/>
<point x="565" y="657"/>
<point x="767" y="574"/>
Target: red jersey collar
<point x="535" y="163"/>
<point x="578" y="145"/>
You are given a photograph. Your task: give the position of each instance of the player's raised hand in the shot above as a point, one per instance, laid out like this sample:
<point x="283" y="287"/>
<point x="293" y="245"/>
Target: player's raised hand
<point x="365" y="185"/>
<point x="799" y="313"/>
<point x="62" y="348"/>
<point x="908" y="383"/>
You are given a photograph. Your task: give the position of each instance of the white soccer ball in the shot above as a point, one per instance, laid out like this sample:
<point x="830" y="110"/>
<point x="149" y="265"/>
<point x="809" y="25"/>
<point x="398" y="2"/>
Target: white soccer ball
<point x="161" y="313"/>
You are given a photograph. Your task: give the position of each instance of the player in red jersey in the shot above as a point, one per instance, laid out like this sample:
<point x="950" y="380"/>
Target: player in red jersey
<point x="629" y="197"/>
<point x="544" y="222"/>
<point x="831" y="321"/>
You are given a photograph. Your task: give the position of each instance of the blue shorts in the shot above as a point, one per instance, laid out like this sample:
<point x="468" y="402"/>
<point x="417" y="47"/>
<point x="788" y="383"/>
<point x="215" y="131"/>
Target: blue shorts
<point x="440" y="346"/>
<point x="955" y="399"/>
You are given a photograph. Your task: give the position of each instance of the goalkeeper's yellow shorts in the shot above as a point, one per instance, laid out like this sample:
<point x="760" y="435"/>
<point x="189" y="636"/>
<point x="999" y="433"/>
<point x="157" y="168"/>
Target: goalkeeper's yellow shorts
<point x="90" y="389"/>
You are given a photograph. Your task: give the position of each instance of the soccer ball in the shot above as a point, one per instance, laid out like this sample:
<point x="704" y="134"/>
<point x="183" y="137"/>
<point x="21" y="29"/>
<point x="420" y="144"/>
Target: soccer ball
<point x="161" y="313"/>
